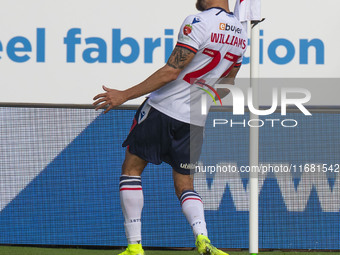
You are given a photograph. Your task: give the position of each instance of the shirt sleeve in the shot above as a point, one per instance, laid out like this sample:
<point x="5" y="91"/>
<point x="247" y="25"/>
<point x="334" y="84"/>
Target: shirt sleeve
<point x="192" y="33"/>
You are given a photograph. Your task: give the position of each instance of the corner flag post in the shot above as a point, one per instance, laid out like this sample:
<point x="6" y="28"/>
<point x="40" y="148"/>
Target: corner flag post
<point x="250" y="10"/>
<point x="254" y="145"/>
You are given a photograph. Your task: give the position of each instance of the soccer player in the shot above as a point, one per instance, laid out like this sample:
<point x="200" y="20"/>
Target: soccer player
<point x="210" y="46"/>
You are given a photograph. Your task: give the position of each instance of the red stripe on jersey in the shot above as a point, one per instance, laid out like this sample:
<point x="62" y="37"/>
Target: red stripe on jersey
<point x="238" y="64"/>
<point x="134" y="123"/>
<point x="191" y="198"/>
<point x="130" y="189"/>
<point x="187" y="47"/>
<point x="232" y="58"/>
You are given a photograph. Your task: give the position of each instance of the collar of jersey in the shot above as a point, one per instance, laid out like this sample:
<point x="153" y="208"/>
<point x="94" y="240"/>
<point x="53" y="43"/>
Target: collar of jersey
<point x="220" y="8"/>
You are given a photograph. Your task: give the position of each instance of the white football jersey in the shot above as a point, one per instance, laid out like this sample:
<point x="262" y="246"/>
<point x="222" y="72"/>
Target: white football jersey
<point x="218" y="39"/>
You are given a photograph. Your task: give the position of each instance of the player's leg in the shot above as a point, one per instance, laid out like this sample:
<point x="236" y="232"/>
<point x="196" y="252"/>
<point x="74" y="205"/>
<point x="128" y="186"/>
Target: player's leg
<point x="185" y="151"/>
<point x="132" y="201"/>
<point x="191" y="202"/>
<point x="145" y="143"/>
<point x="192" y="207"/>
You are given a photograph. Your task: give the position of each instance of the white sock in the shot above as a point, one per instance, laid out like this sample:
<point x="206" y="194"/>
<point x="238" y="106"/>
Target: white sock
<point x="192" y="207"/>
<point x="132" y="202"/>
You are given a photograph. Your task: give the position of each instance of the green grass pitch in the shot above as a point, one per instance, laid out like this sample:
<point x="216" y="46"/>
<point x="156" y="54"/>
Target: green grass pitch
<point x="6" y="250"/>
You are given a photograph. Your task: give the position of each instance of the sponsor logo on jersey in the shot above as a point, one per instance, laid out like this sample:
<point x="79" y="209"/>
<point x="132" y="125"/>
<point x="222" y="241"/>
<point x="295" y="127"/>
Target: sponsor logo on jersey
<point x="187" y="29"/>
<point x="227" y="27"/>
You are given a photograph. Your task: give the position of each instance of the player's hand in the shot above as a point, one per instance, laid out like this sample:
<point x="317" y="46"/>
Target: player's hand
<point x="109" y="99"/>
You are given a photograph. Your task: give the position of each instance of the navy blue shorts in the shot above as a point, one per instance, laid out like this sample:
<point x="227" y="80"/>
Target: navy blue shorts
<point x="156" y="138"/>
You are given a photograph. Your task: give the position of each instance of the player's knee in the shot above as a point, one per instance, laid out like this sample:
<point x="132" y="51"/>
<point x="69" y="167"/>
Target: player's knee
<point x="131" y="169"/>
<point x="133" y="165"/>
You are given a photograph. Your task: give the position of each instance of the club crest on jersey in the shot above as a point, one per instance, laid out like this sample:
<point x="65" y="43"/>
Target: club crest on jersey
<point x="187" y="29"/>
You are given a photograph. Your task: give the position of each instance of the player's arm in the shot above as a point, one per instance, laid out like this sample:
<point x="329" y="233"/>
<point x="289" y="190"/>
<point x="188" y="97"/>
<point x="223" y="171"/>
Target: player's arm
<point x="228" y="79"/>
<point x="178" y="60"/>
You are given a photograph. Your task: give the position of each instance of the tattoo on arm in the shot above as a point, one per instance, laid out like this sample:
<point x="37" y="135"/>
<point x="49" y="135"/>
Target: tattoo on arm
<point x="180" y="57"/>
